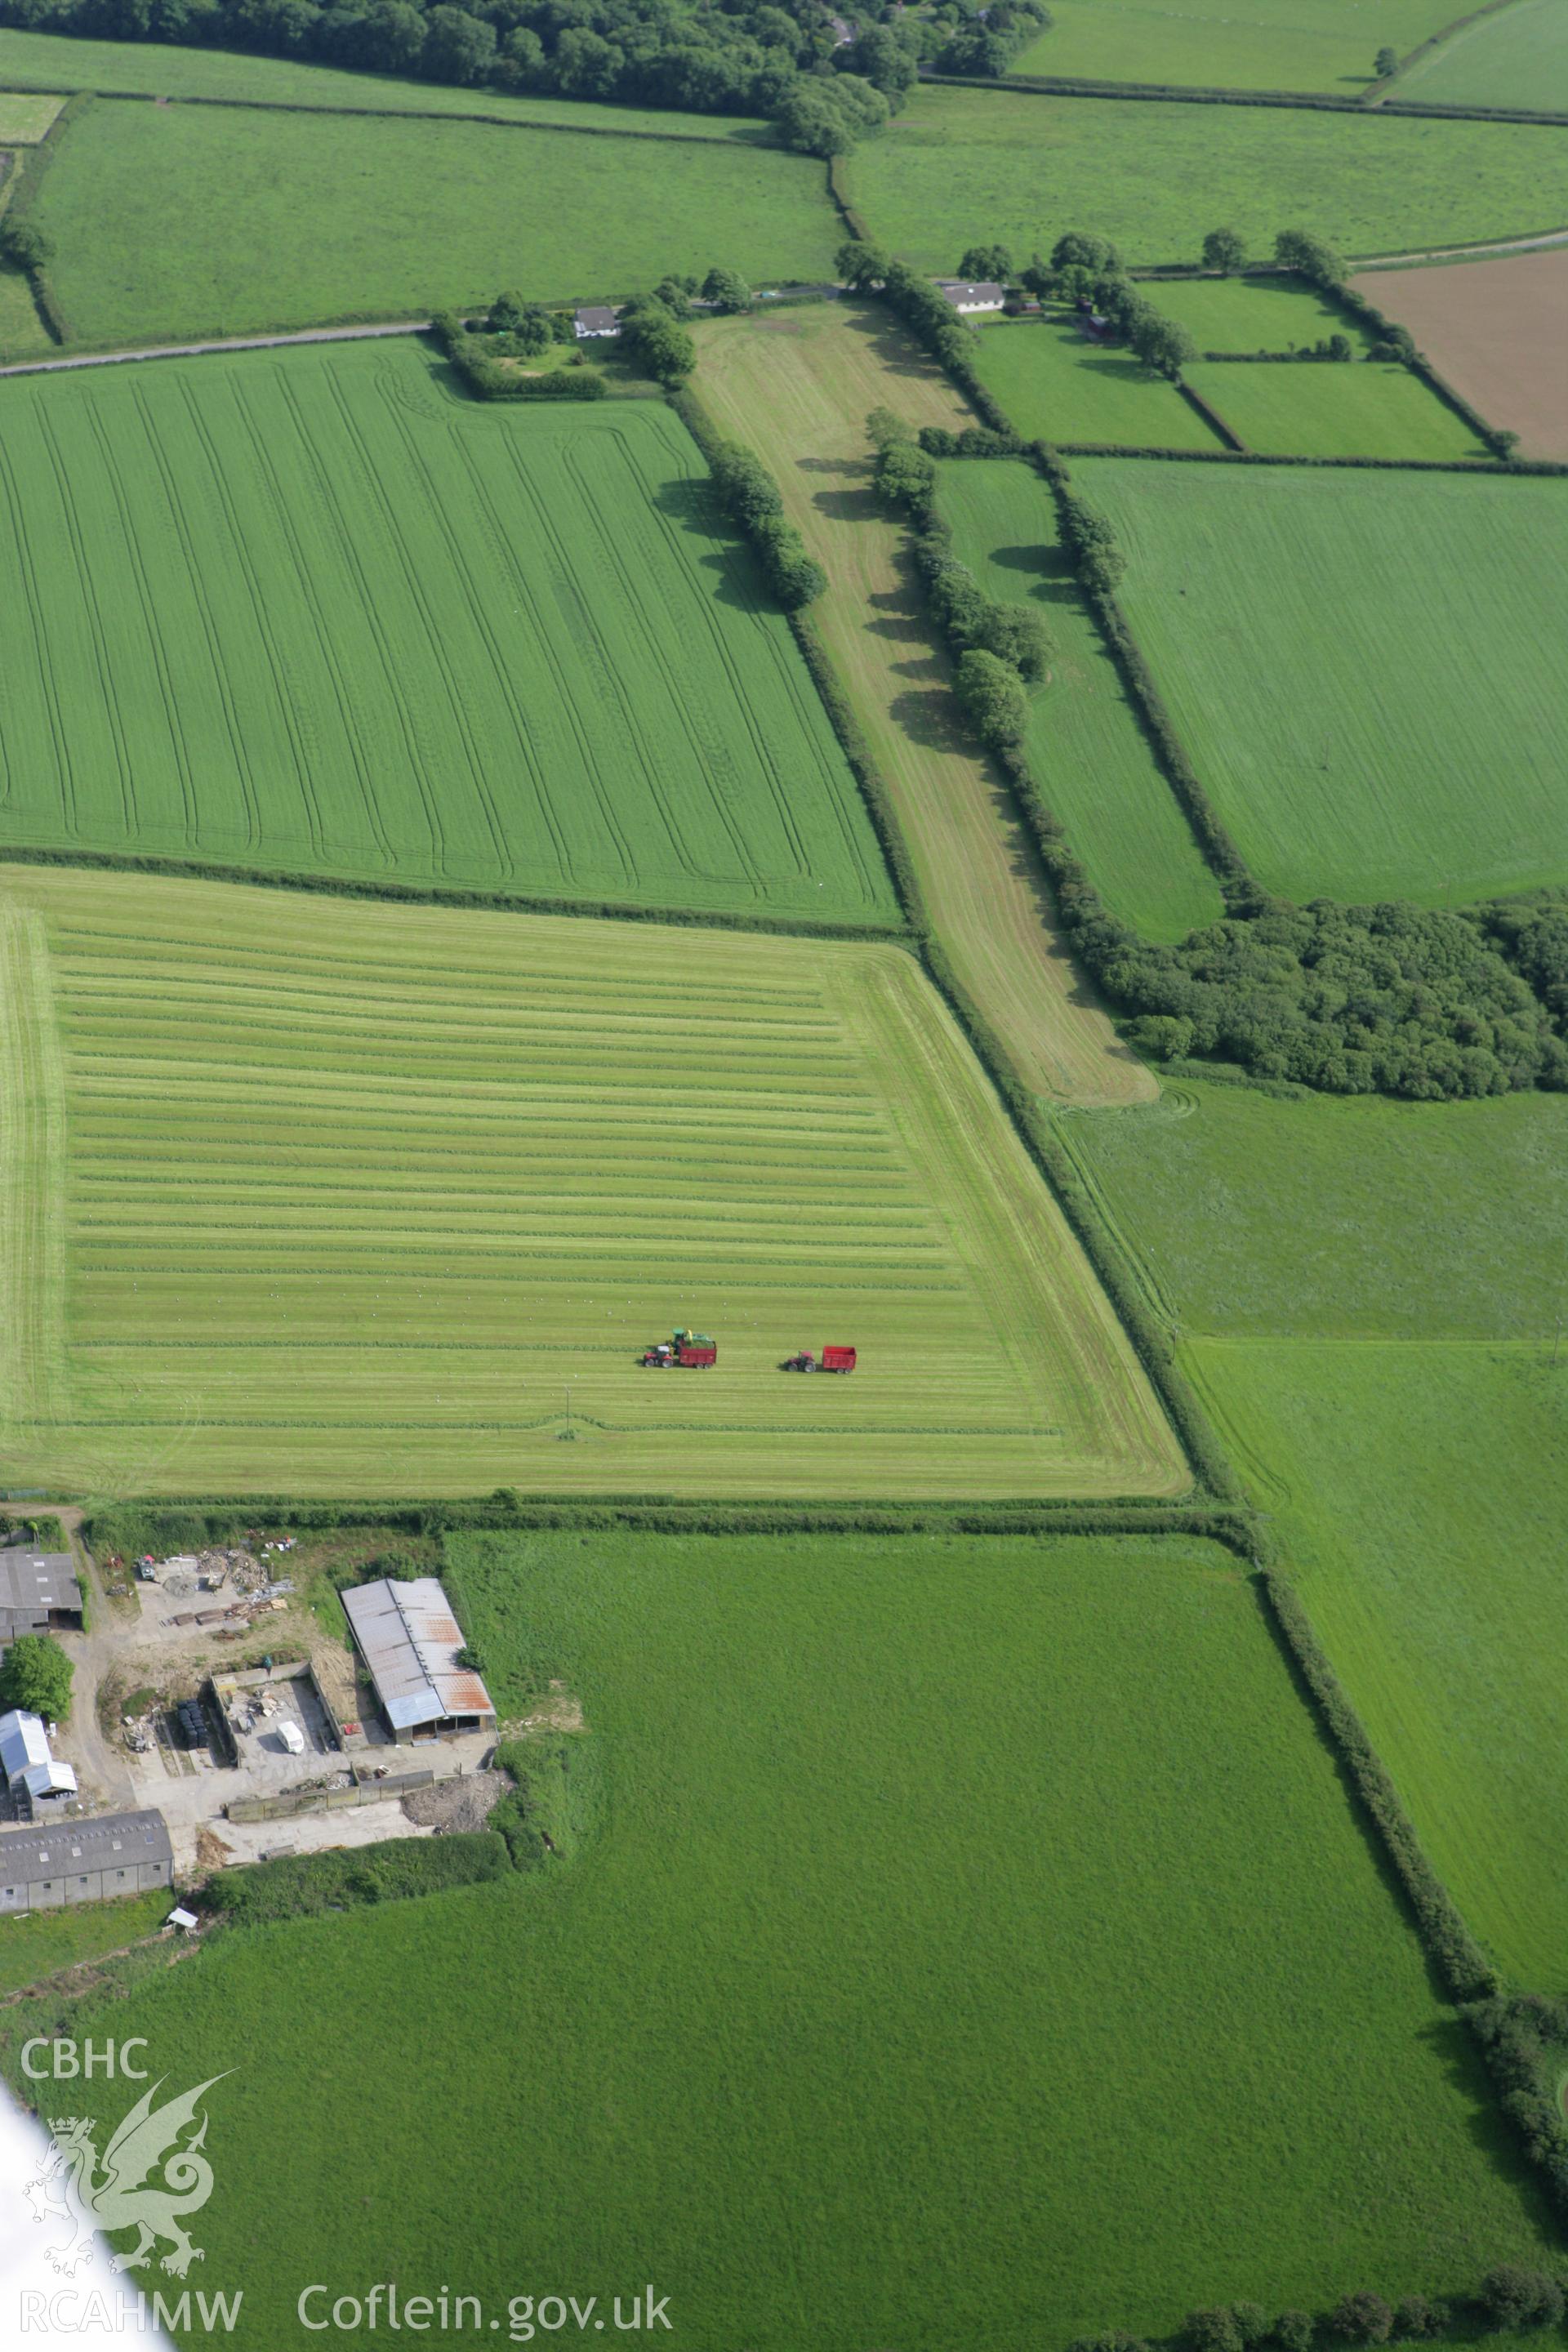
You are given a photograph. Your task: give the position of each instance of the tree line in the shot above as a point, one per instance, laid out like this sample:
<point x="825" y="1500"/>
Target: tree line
<point x="784" y="60"/>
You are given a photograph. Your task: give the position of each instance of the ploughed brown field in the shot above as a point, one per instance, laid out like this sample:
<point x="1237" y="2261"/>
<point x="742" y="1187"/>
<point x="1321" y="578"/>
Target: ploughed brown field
<point x="1496" y="331"/>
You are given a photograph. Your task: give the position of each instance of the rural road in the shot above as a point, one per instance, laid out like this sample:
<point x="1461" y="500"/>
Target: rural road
<point x="226" y="344"/>
<point x="1445" y="252"/>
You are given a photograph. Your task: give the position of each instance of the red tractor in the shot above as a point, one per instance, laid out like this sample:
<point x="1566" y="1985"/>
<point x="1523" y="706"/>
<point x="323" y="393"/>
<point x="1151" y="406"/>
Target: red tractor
<point x="832" y="1359"/>
<point x="692" y="1349"/>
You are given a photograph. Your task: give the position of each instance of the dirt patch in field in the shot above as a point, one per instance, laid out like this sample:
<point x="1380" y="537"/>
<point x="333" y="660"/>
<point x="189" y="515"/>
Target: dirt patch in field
<point x="1496" y="331"/>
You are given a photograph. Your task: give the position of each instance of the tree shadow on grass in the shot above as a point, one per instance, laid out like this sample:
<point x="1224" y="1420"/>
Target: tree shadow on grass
<point x="694" y="505"/>
<point x="1047" y="569"/>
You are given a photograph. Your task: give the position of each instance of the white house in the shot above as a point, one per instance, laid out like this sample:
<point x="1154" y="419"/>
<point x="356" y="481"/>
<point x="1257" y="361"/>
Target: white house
<point x="594" y="324"/>
<point x="28" y="1758"/>
<point x="968" y="298"/>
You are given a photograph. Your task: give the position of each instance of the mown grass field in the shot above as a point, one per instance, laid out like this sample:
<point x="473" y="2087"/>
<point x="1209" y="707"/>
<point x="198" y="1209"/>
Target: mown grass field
<point x="193" y="220"/>
<point x="1087" y="747"/>
<point x="1303" y="627"/>
<point x="798" y="389"/>
<point x="1045" y="2009"/>
<point x="1318" y="44"/>
<point x="339" y="620"/>
<point x="959" y="165"/>
<point x="356" y="1196"/>
<point x="1419" y="1493"/>
<point x="1255" y="314"/>
<point x="1300" y="409"/>
<point x="1056" y="386"/>
<point x="1517" y="57"/>
<point x="62" y="62"/>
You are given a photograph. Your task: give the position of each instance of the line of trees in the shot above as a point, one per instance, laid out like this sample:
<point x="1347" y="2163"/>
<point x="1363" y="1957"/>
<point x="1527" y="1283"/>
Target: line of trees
<point x="705" y="57"/>
<point x="1511" y="2299"/>
<point x="753" y="498"/>
<point x="1004" y="649"/>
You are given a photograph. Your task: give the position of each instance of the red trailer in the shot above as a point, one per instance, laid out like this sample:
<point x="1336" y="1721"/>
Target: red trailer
<point x="691" y="1349"/>
<point x="838" y="1360"/>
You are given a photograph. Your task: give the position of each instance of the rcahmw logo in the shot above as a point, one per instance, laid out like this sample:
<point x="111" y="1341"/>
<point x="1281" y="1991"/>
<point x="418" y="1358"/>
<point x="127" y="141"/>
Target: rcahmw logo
<point x="148" y="2178"/>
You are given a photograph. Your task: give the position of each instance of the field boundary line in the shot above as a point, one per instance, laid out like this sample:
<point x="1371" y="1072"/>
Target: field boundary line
<point x="1378" y="91"/>
<point x="332" y="886"/>
<point x="225" y="343"/>
<point x="32" y="1176"/>
<point x="1148" y="93"/>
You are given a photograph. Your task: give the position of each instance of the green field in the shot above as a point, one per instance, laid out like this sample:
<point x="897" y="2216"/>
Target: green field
<point x="959" y="165"/>
<point x="1302" y="409"/>
<point x="37" y="1944"/>
<point x="333" y="1197"/>
<point x="63" y="63"/>
<point x="1517" y="57"/>
<point x="24" y="119"/>
<point x="1318" y="44"/>
<point x="1333" y="1217"/>
<point x="1056" y="386"/>
<point x="1368" y="1292"/>
<point x="1087" y="747"/>
<point x="996" y="1905"/>
<point x="341" y="620"/>
<point x="305" y="217"/>
<point x="1303" y="628"/>
<point x="1419" y="1495"/>
<point x="22" y="333"/>
<point x="1254" y="314"/>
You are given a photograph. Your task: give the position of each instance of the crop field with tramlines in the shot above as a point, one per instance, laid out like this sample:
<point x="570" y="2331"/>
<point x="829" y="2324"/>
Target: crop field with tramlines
<point x="340" y="1197"/>
<point x="1346" y="655"/>
<point x="312" y="612"/>
<point x="971" y="1896"/>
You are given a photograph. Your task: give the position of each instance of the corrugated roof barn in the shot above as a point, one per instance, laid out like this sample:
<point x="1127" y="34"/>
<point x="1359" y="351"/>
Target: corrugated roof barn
<point x="84" y="1861"/>
<point x="37" y="1589"/>
<point x="409" y="1640"/>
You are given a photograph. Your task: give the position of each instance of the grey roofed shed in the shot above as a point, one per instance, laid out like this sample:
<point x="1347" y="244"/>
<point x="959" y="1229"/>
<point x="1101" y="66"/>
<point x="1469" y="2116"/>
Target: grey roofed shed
<point x="84" y="1861"/>
<point x="37" y="1589"/>
<point x="409" y="1640"/>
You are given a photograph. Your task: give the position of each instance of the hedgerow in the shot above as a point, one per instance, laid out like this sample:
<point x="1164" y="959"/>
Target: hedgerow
<point x="751" y="498"/>
<point x="299" y="1885"/>
<point x="1467" y="1971"/>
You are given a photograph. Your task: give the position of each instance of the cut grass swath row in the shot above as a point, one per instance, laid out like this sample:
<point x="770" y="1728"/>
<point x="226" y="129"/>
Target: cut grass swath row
<point x="370" y="1182"/>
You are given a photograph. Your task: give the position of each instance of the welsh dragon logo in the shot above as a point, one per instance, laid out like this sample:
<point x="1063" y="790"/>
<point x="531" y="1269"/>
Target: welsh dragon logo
<point x="122" y="2195"/>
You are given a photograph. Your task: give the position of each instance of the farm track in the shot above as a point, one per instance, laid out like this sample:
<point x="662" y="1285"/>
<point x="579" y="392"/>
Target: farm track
<point x="799" y="390"/>
<point x="425" y="1198"/>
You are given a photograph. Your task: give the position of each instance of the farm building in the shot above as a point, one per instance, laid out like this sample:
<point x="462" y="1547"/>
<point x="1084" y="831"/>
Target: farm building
<point x="83" y="1862"/>
<point x="28" y="1762"/>
<point x="594" y="322"/>
<point x="39" y="1592"/>
<point x="967" y="297"/>
<point x="410" y="1641"/>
